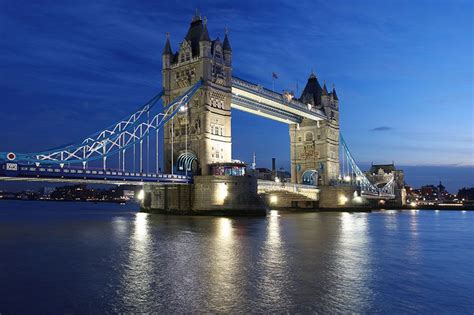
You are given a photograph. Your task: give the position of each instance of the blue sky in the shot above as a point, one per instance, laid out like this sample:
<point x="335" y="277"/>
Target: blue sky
<point x="403" y="72"/>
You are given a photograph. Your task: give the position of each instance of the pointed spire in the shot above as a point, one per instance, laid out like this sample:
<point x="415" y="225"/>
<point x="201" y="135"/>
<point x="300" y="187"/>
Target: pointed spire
<point x="197" y="16"/>
<point x="325" y="90"/>
<point x="334" y="95"/>
<point x="167" y="49"/>
<point x="204" y="34"/>
<point x="226" y="45"/>
<point x="312" y="91"/>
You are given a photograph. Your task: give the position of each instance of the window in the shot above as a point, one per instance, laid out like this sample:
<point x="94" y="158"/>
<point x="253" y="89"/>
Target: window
<point x="309" y="136"/>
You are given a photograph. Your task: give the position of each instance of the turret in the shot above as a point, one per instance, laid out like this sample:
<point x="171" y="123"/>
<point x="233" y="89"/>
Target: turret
<point x="330" y="105"/>
<point x="167" y="53"/>
<point x="204" y="41"/>
<point x="167" y="59"/>
<point x="227" y="49"/>
<point x="334" y="96"/>
<point x="325" y="98"/>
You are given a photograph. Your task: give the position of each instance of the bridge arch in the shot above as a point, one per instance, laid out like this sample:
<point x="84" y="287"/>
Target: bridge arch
<point x="310" y="177"/>
<point x="187" y="161"/>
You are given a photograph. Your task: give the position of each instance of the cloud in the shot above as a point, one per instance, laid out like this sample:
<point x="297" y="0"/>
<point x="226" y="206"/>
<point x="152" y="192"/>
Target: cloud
<point x="381" y="128"/>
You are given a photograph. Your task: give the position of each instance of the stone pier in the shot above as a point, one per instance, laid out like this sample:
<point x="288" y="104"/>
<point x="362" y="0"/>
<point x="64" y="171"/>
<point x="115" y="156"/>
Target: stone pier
<point x="208" y="195"/>
<point x="341" y="197"/>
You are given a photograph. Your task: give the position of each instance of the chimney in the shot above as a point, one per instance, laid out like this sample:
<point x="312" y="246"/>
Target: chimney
<point x="274" y="166"/>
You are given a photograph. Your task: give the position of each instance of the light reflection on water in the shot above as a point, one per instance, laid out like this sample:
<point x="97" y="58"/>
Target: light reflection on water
<point x="94" y="260"/>
<point x="274" y="280"/>
<point x="136" y="278"/>
<point x="353" y="265"/>
<point x="225" y="261"/>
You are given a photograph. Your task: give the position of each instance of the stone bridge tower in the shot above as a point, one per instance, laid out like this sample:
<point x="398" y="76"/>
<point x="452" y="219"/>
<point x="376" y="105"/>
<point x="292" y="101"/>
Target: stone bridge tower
<point x="315" y="144"/>
<point x="207" y="120"/>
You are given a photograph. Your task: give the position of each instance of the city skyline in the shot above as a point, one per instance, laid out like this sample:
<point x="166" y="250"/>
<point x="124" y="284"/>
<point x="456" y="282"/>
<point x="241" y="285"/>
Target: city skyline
<point x="67" y="65"/>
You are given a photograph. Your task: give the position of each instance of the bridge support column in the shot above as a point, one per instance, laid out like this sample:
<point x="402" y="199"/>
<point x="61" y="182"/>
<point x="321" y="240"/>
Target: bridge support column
<point x="204" y="127"/>
<point x="314" y="147"/>
<point x="209" y="195"/>
<point x="341" y="197"/>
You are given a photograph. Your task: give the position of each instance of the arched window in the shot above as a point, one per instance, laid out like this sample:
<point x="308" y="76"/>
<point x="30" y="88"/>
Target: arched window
<point x="310" y="177"/>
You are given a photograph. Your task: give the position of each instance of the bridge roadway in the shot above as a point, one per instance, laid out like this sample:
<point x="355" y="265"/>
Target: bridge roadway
<point x="257" y="100"/>
<point x="57" y="174"/>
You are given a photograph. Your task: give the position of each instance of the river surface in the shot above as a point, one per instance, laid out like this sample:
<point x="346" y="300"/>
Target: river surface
<point x="93" y="258"/>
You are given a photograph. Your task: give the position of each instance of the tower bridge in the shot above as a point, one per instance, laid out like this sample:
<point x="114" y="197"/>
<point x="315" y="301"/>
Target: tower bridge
<point x="199" y="92"/>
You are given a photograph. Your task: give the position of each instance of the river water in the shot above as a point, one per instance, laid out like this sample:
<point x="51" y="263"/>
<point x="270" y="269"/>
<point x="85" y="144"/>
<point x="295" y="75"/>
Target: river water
<point x="94" y="258"/>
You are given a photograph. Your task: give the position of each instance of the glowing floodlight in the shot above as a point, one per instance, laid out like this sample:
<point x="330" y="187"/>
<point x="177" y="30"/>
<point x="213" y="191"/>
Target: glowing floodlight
<point x="221" y="192"/>
<point x="273" y="199"/>
<point x="343" y="200"/>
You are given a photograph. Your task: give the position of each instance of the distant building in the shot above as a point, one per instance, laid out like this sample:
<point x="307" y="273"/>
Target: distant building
<point x="128" y="194"/>
<point x="435" y="193"/>
<point x="268" y="174"/>
<point x="261" y="173"/>
<point x="47" y="191"/>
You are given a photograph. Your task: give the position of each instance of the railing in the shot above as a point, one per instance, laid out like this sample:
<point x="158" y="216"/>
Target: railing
<point x="55" y="172"/>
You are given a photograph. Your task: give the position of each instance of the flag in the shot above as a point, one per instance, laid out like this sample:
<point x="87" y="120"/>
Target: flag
<point x="274" y="75"/>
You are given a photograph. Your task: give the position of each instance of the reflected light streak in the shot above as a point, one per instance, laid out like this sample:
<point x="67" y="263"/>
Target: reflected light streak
<point x="138" y="275"/>
<point x="225" y="229"/>
<point x="141" y="227"/>
<point x="391" y="220"/>
<point x="223" y="287"/>
<point x="119" y="225"/>
<point x="275" y="277"/>
<point x="353" y="270"/>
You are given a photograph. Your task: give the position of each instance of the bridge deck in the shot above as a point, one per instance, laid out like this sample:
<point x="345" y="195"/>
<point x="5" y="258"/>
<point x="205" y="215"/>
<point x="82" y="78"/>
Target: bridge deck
<point x="255" y="99"/>
<point x="30" y="173"/>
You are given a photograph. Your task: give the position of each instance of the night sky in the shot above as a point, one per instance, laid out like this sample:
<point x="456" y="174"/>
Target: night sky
<point x="403" y="72"/>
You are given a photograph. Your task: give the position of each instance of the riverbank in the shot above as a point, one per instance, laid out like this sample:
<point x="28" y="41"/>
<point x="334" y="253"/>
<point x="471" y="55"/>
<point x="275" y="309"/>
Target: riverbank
<point x="72" y="200"/>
